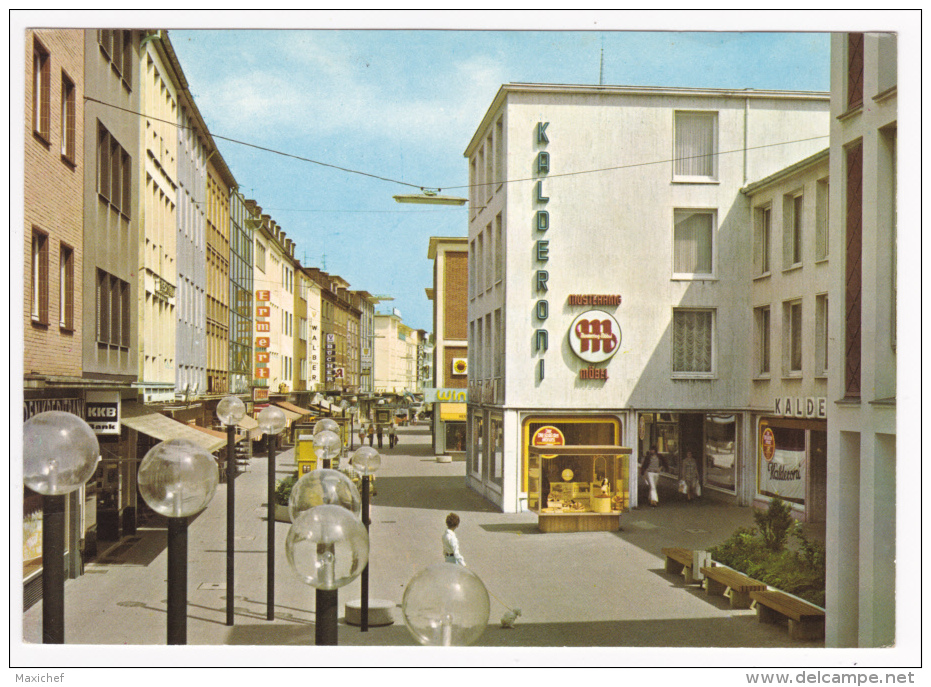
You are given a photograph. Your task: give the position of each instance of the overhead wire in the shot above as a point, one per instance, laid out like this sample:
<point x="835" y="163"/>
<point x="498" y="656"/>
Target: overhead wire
<point x="632" y="165"/>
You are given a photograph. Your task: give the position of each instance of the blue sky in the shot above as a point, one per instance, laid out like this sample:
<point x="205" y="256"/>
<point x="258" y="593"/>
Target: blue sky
<point x="403" y="104"/>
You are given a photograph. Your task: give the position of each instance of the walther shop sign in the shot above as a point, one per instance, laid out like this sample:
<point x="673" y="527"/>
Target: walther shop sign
<point x="102" y="411"/>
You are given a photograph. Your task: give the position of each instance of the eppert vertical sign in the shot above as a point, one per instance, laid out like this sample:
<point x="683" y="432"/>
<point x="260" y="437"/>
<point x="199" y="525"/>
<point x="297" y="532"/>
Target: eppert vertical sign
<point x="262" y="340"/>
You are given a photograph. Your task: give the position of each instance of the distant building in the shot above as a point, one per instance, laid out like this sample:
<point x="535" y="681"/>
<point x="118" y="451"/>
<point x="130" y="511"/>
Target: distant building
<point x="862" y="468"/>
<point x="450" y="296"/>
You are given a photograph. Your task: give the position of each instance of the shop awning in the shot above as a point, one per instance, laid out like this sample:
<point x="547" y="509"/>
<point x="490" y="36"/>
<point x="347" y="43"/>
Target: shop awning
<point x="290" y="415"/>
<point x="218" y="434"/>
<point x="248" y="422"/>
<point x="284" y="405"/>
<point x="581" y="450"/>
<point x="142" y="419"/>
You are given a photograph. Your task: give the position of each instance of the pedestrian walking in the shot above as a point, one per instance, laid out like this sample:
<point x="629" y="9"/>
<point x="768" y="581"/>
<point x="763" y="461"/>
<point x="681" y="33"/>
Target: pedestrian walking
<point x="371" y="434"/>
<point x="652" y="465"/>
<point x="361" y="436"/>
<point x="379" y="433"/>
<point x="690" y="481"/>
<point x="392" y="435"/>
<point x="451" y="542"/>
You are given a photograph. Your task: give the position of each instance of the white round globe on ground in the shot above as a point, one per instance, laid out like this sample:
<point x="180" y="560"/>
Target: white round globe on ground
<point x="178" y="478"/>
<point x="446" y="605"/>
<point x="60" y="453"/>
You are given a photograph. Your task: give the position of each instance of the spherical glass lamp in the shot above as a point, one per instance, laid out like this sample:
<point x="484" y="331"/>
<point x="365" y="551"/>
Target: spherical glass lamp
<point x="327" y="547"/>
<point x="326" y="425"/>
<point x="324" y="487"/>
<point x="178" y="478"/>
<point x="60" y="453"/>
<point x="366" y="460"/>
<point x="445" y="605"/>
<point x="272" y="420"/>
<point x="231" y="410"/>
<point x="327" y="445"/>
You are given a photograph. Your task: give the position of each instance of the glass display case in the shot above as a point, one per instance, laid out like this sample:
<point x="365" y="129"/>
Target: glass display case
<point x="578" y="488"/>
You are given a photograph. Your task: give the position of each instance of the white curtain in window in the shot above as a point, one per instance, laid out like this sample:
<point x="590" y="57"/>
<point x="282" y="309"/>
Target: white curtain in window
<point x="692" y="341"/>
<point x="693" y="232"/>
<point x="694" y="144"/>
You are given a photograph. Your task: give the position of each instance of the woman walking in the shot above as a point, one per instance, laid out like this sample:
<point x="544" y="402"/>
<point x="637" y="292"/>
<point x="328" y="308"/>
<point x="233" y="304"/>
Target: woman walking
<point x="652" y="465"/>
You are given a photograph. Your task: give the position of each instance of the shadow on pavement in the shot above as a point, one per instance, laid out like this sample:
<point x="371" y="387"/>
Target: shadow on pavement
<point x="431" y="493"/>
<point x="513" y="528"/>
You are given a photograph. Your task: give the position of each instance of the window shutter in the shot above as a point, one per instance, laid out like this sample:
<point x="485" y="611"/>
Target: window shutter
<point x="853" y="272"/>
<point x="854" y="70"/>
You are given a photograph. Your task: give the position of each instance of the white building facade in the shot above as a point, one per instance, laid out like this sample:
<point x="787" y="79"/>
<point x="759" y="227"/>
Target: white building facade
<point x="791" y="357"/>
<point x="609" y="277"/>
<point x="861" y="517"/>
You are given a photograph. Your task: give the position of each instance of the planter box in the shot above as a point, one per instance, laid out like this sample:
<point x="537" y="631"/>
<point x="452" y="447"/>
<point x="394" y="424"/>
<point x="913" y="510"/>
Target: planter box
<point x="282" y="514"/>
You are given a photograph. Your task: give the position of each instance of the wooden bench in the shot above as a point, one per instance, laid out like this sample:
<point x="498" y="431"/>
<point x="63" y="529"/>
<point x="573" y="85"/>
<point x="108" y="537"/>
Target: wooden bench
<point x="805" y="620"/>
<point x="737" y="586"/>
<point x="679" y="562"/>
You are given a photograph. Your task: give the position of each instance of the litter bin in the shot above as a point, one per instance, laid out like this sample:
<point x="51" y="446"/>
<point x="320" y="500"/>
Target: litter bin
<point x="304" y="449"/>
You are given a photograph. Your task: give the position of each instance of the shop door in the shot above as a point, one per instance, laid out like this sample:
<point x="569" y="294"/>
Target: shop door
<point x="818" y="477"/>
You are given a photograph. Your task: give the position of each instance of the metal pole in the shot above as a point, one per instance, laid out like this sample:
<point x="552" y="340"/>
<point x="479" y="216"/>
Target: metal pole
<point x="365" y="571"/>
<point x="53" y="569"/>
<point x="230" y="518"/>
<point x="327" y="608"/>
<point x="177" y="580"/>
<point x="270" y="602"/>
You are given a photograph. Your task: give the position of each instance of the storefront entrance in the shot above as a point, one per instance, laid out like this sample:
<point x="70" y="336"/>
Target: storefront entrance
<point x="710" y="437"/>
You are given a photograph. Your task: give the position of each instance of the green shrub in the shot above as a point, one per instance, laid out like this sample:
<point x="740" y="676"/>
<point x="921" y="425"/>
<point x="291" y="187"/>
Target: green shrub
<point x="283" y="489"/>
<point x="775" y="523"/>
<point x="800" y="572"/>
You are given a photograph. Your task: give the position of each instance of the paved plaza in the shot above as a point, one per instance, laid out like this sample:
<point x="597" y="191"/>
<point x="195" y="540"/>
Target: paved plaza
<point x="598" y="589"/>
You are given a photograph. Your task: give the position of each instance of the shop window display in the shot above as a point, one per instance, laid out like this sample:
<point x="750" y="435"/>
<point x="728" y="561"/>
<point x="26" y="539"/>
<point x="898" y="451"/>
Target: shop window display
<point x="720" y="452"/>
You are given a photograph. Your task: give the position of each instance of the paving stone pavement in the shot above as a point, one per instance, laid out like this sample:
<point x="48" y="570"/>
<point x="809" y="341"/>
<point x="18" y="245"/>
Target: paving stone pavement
<point x="598" y="589"/>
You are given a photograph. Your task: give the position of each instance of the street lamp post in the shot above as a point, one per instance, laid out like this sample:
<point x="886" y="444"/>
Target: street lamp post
<point x="230" y="410"/>
<point x="178" y="478"/>
<point x="60" y="453"/>
<point x="327" y="548"/>
<point x="367" y="460"/>
<point x="272" y="420"/>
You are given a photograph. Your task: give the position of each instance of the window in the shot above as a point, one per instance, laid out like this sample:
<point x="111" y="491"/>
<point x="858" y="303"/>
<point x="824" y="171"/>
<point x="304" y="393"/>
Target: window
<point x="39" y="277"/>
<point x="117" y="47"/>
<point x="490" y="181"/>
<point x="854" y="70"/>
<point x="762" y="239"/>
<point x="41" y="90"/>
<point x="113" y="311"/>
<point x="792" y="229"/>
<point x="792" y="327"/>
<point x="490" y="261"/>
<point x="260" y="255"/>
<point x="499" y="249"/>
<point x="480" y="264"/>
<point x="473" y="257"/>
<point x="67" y="118"/>
<point x="693" y="341"/>
<point x="821" y="335"/>
<point x="695" y="154"/>
<point x="473" y="187"/>
<point x="114" y="172"/>
<point x="694" y="231"/>
<point x="887" y="61"/>
<point x="762" y="319"/>
<point x="66" y="286"/>
<point x="499" y="152"/>
<point x="821" y="219"/>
